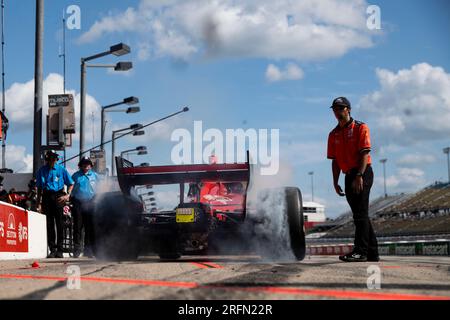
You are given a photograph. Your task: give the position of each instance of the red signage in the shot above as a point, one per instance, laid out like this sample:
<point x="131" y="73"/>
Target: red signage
<point x="13" y="229"/>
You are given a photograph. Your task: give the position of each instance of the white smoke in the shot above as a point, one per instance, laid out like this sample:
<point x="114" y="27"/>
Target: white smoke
<point x="105" y="186"/>
<point x="266" y="205"/>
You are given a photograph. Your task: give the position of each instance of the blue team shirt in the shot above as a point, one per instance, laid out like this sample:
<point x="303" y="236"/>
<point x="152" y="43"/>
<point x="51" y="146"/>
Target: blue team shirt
<point x="85" y="185"/>
<point x="53" y="179"/>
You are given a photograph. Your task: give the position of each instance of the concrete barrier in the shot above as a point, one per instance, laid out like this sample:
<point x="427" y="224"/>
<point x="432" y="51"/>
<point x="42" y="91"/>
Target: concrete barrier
<point x="23" y="234"/>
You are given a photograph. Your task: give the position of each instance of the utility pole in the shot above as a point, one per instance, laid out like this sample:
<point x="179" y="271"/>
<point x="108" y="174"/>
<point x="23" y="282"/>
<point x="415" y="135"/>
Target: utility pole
<point x="38" y="84"/>
<point x="383" y="161"/>
<point x="3" y="84"/>
<point x="82" y="104"/>
<point x="63" y="55"/>
<point x="93" y="126"/>
<point x="312" y="184"/>
<point x="447" y="152"/>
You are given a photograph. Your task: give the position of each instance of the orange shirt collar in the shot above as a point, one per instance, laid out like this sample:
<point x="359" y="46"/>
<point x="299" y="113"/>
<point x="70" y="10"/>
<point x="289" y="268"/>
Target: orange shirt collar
<point x="348" y="124"/>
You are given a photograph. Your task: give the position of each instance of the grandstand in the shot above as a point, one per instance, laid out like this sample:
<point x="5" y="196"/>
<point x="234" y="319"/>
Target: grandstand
<point x="432" y="199"/>
<point x="375" y="206"/>
<point x="426" y="212"/>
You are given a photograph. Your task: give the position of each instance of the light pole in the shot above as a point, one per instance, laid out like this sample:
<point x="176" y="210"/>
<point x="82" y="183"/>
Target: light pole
<point x="149" y="193"/>
<point x="3" y="83"/>
<point x="135" y="132"/>
<point x="141" y="150"/>
<point x="147" y="199"/>
<point x="128" y="101"/>
<point x="135" y="126"/>
<point x="311" y="173"/>
<point x="139" y="153"/>
<point x="38" y="85"/>
<point x="383" y="161"/>
<point x="117" y="50"/>
<point x="145" y="189"/>
<point x="143" y="198"/>
<point x="447" y="152"/>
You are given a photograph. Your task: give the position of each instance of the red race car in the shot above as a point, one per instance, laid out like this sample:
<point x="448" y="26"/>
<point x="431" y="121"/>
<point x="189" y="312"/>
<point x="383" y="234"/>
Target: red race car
<point x="216" y="215"/>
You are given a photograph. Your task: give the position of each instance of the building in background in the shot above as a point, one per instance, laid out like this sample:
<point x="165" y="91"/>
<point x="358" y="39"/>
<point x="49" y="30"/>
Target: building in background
<point x="314" y="213"/>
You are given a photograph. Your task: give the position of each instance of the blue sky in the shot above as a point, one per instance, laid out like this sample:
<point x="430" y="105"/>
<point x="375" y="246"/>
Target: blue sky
<point x="225" y="81"/>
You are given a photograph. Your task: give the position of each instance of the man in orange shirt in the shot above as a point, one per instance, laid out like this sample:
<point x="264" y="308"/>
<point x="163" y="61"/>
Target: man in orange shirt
<point x="349" y="148"/>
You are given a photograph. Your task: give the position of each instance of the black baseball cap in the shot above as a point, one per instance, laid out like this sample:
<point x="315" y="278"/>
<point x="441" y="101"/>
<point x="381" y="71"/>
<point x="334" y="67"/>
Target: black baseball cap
<point x="341" y="102"/>
<point x="85" y="160"/>
<point x="51" y="154"/>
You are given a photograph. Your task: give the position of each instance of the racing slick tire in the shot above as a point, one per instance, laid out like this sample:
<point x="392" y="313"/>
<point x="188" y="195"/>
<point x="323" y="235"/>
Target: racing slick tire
<point x="116" y="236"/>
<point x="294" y="211"/>
<point x="168" y="250"/>
<point x="282" y="234"/>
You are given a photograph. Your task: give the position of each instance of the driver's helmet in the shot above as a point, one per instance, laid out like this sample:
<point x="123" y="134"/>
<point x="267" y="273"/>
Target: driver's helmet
<point x="236" y="187"/>
<point x="213" y="159"/>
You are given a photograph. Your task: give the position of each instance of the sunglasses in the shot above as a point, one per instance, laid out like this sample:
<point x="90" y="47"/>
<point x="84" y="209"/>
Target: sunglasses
<point x="340" y="108"/>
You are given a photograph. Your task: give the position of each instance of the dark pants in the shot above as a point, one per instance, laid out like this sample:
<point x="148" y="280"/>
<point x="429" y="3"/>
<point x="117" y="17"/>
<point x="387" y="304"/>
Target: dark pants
<point x="54" y="214"/>
<point x="83" y="213"/>
<point x="365" y="239"/>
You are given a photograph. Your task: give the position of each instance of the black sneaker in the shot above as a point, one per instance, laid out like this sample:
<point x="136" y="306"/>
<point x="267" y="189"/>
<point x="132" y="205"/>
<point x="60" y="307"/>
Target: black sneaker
<point x="373" y="258"/>
<point x="59" y="254"/>
<point x="51" y="255"/>
<point x="77" y="253"/>
<point x="353" y="257"/>
<point x="88" y="253"/>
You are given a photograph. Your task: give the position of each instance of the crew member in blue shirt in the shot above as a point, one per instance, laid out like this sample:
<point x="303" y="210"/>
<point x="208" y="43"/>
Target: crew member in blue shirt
<point x="82" y="199"/>
<point x="51" y="198"/>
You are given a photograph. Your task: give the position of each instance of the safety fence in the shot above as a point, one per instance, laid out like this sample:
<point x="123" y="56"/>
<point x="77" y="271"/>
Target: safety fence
<point x="401" y="248"/>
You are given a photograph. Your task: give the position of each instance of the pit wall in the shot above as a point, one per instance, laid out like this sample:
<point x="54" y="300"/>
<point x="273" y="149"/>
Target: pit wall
<point x="23" y="234"/>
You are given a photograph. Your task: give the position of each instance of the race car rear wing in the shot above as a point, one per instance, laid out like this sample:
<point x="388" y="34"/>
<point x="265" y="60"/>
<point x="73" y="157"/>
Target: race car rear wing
<point x="130" y="176"/>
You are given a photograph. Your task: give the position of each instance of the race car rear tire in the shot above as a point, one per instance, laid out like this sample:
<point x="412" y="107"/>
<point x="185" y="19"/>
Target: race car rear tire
<point x="168" y="250"/>
<point x="294" y="211"/>
<point x="281" y="234"/>
<point x="116" y="237"/>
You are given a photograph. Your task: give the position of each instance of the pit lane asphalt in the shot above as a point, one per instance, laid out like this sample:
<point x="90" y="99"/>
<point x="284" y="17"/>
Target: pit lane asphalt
<point x="226" y="277"/>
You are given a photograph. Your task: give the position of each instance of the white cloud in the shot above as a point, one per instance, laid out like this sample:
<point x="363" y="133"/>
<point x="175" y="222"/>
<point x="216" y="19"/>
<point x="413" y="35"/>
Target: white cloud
<point x="18" y="159"/>
<point x="301" y="30"/>
<point x="20" y="98"/>
<point x="291" y="72"/>
<point x="126" y="21"/>
<point x="411" y="106"/>
<point x="415" y="159"/>
<point x="405" y="180"/>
